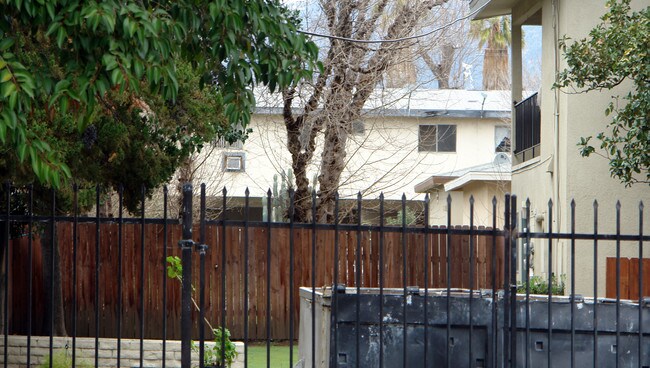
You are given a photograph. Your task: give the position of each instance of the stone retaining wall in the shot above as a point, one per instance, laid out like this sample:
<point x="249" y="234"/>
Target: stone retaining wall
<point x="85" y="356"/>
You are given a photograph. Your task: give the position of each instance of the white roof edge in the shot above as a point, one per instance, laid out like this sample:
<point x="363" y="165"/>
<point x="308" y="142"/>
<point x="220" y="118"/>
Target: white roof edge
<point x="476" y="176"/>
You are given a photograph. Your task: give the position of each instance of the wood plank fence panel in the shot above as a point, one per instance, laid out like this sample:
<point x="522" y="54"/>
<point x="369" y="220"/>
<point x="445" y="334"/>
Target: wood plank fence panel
<point x="629" y="279"/>
<point x="236" y="267"/>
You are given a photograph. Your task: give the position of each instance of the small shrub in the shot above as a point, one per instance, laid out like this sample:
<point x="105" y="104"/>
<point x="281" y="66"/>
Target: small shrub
<point x="63" y="359"/>
<point x="539" y="285"/>
<point x="213" y="355"/>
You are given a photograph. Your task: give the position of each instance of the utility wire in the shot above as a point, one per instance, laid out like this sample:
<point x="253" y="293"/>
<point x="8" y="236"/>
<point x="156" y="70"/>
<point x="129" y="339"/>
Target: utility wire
<point x="315" y="34"/>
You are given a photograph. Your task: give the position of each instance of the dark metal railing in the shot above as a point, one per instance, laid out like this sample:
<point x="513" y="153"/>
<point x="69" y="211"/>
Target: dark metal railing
<point x="527" y="128"/>
<point x="401" y="290"/>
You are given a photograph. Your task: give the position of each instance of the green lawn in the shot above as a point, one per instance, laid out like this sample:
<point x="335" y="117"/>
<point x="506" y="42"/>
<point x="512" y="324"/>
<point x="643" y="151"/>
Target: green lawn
<point x="279" y="356"/>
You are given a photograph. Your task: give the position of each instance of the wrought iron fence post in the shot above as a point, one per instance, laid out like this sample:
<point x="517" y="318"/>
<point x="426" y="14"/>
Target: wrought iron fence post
<point x="506" y="285"/>
<point x="513" y="281"/>
<point x="186" y="295"/>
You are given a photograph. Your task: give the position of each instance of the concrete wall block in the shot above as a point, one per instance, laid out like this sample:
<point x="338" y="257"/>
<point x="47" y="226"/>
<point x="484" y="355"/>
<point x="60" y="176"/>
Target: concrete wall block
<point x="43" y="341"/>
<point x="14" y="350"/>
<point x="129" y="363"/>
<point x="105" y="343"/>
<point x="107" y="352"/>
<point x="133" y="354"/>
<point x="84" y="343"/>
<point x="130" y="344"/>
<point x="155" y="345"/>
<point x="14" y="341"/>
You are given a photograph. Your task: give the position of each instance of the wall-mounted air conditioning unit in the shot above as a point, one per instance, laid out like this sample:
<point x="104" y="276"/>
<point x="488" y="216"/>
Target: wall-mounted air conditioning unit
<point x="234" y="161"/>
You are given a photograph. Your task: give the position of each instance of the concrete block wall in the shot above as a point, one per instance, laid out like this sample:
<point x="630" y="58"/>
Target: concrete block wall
<point x="85" y="355"/>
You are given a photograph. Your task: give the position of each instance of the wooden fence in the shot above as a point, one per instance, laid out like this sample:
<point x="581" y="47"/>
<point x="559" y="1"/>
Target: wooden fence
<point x="629" y="285"/>
<point x="278" y="283"/>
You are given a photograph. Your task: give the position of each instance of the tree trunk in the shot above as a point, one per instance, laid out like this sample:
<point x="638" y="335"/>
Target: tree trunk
<point x="351" y="72"/>
<point x="54" y="315"/>
<point x="495" y="69"/>
<point x="185" y="175"/>
<point x="441" y="70"/>
<point x="333" y="163"/>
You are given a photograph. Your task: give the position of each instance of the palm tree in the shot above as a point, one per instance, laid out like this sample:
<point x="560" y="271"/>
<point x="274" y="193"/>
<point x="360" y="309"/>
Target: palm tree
<point x="494" y="35"/>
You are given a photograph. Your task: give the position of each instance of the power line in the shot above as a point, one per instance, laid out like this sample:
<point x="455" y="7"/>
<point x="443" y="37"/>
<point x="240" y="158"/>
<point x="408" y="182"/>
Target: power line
<point x="315" y="34"/>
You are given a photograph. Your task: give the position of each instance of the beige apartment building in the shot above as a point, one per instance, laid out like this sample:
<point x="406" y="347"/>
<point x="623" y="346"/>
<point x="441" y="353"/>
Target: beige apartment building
<point x="546" y="129"/>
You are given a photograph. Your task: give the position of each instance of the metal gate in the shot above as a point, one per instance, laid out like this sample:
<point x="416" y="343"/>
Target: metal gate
<point x="370" y="293"/>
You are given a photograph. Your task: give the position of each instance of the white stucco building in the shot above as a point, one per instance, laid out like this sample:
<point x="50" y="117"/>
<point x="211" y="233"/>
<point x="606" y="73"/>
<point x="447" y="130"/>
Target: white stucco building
<point x="403" y="138"/>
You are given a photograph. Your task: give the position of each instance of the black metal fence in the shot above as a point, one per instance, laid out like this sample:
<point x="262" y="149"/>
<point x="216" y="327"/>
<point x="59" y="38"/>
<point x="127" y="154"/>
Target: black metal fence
<point x="375" y="295"/>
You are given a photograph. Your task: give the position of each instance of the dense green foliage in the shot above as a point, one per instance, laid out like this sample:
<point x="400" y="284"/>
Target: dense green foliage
<point x="130" y="143"/>
<point x="615" y="51"/>
<point x="539" y="285"/>
<point x="74" y="70"/>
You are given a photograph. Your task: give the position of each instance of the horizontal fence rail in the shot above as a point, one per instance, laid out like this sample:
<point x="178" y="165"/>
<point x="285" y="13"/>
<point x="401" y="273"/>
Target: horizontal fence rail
<point x="455" y="295"/>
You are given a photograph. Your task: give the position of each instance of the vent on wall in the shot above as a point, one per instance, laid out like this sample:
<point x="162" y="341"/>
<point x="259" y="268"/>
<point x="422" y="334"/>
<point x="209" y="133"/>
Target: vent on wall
<point x="234" y="161"/>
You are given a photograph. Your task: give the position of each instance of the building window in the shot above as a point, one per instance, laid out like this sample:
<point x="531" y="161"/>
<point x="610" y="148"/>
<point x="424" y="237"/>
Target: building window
<point x="234" y="161"/>
<point x="502" y="139"/>
<point x="437" y="138"/>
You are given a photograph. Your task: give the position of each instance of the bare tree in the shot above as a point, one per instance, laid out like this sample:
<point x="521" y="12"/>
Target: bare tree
<point x="351" y="71"/>
<point x="448" y="52"/>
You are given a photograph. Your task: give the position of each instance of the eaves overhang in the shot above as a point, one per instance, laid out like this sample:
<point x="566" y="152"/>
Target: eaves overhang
<point x="490" y="8"/>
<point x="470" y="177"/>
<point x="431" y="183"/>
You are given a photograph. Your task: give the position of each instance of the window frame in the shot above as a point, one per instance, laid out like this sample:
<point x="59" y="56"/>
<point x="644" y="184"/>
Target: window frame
<point x="229" y="155"/>
<point x="435" y="146"/>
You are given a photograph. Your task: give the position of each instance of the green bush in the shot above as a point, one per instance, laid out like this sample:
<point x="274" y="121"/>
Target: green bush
<point x="213" y="355"/>
<point x="539" y="285"/>
<point x="63" y="359"/>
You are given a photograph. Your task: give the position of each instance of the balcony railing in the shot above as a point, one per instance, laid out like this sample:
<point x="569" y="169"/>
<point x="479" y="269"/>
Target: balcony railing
<point x="527" y="129"/>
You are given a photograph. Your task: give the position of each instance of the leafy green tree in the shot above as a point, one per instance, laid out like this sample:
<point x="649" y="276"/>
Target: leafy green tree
<point x="110" y="93"/>
<point x="134" y="143"/>
<point x="615" y="51"/>
<point x="129" y="47"/>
